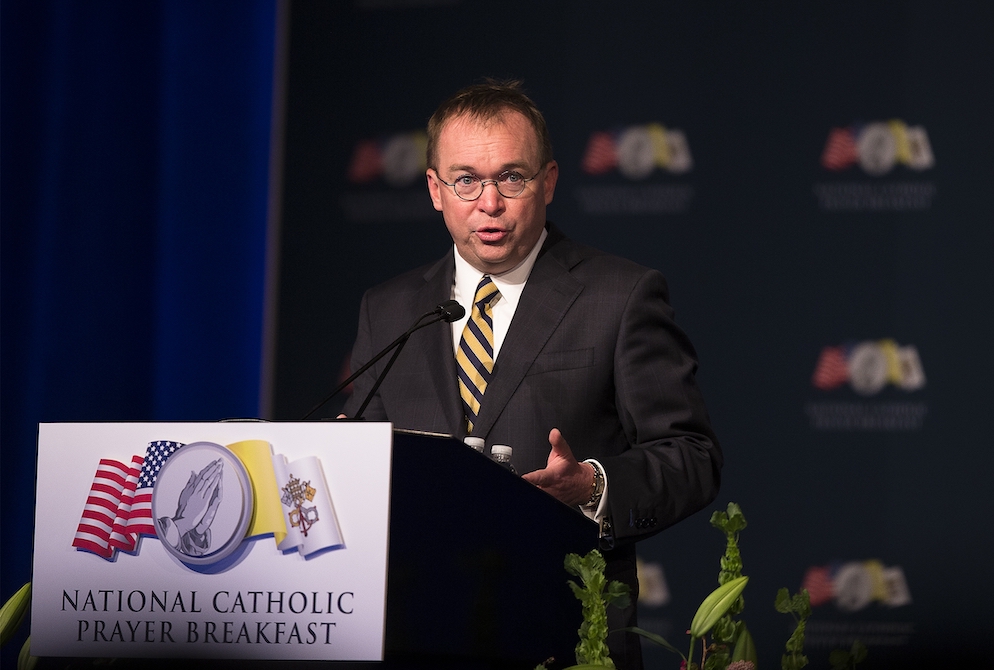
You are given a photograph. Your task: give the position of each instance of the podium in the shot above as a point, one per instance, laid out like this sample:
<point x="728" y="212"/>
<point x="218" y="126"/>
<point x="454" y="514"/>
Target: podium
<point x="475" y="572"/>
<point x="471" y="553"/>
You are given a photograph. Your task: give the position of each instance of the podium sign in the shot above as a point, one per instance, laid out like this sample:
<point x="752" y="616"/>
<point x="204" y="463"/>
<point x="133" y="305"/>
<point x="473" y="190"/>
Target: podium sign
<point x="211" y="540"/>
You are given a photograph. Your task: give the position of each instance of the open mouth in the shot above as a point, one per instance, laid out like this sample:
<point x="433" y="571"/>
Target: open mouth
<point x="491" y="235"/>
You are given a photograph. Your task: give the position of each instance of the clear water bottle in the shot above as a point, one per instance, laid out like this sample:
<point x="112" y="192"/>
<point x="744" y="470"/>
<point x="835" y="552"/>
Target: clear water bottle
<point x="501" y="453"/>
<point x="475" y="442"/>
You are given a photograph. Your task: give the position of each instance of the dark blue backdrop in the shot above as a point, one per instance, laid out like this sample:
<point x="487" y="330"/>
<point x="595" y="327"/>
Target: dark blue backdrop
<point x="772" y="255"/>
<point x="135" y="182"/>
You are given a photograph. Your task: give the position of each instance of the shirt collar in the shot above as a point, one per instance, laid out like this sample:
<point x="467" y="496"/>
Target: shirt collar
<point x="514" y="279"/>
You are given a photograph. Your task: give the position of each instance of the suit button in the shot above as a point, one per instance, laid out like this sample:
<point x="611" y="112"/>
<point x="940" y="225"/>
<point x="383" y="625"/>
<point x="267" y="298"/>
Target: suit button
<point x="652" y="521"/>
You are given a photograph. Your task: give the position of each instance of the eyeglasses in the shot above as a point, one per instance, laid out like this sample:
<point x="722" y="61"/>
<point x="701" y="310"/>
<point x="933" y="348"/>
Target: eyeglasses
<point x="509" y="184"/>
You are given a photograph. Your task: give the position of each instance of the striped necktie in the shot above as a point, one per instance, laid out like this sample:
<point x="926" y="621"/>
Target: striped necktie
<point x="475" y="357"/>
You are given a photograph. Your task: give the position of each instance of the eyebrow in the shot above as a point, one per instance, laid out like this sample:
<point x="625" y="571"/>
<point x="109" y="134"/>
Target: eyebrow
<point x="506" y="167"/>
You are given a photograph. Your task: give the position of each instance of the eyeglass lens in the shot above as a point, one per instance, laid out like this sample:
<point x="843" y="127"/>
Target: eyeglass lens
<point x="508" y="184"/>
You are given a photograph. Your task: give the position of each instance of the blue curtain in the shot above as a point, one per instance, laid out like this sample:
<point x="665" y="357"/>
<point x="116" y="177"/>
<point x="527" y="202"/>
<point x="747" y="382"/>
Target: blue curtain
<point x="135" y="176"/>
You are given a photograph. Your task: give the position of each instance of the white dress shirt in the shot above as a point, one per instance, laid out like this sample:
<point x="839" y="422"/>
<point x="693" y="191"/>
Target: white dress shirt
<point x="510" y="284"/>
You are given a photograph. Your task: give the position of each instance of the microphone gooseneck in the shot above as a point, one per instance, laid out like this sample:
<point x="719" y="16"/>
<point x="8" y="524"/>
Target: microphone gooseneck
<point x="447" y="311"/>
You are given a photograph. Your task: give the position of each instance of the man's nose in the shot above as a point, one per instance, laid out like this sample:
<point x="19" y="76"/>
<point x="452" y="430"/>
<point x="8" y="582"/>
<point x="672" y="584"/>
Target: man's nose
<point x="491" y="201"/>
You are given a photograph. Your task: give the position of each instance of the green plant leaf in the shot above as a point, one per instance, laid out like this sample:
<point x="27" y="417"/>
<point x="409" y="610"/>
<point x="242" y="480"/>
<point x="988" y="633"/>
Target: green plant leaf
<point x="793" y="662"/>
<point x="656" y="639"/>
<point x="731" y="521"/>
<point x="839" y="659"/>
<point x="617" y="594"/>
<point x="782" y="602"/>
<point x="745" y="648"/>
<point x="25" y="661"/>
<point x="13" y="611"/>
<point x="715" y="605"/>
<point x="801" y="604"/>
<point x="594" y="596"/>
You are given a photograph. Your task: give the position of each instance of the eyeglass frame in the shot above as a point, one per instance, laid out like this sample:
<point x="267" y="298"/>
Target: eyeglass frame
<point x="495" y="182"/>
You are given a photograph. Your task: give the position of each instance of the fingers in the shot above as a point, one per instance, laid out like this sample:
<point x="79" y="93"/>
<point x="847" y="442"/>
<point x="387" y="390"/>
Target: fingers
<point x="560" y="457"/>
<point x="563" y="476"/>
<point x="209" y="478"/>
<point x="561" y="452"/>
<point x="188" y="488"/>
<point x="558" y="442"/>
<point x="212" y="508"/>
<point x="539" y="478"/>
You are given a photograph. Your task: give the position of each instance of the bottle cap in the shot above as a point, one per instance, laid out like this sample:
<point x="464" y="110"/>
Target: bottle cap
<point x="475" y="442"/>
<point x="501" y="450"/>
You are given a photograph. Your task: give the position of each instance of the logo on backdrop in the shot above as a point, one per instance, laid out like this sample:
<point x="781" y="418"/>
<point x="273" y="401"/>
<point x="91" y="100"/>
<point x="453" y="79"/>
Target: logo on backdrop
<point x="653" y="589"/>
<point x="386" y="180"/>
<point x="654" y="594"/>
<point x="868" y="369"/>
<point x="879" y="148"/>
<point x="855" y="586"/>
<point x="639" y="153"/>
<point x="202" y="500"/>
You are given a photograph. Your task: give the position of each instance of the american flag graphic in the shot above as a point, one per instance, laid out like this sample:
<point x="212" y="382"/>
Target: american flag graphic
<point x="840" y="150"/>
<point x="120" y="538"/>
<point x="601" y="155"/>
<point x="106" y="501"/>
<point x="119" y="505"/>
<point x="832" y="370"/>
<point x="818" y="582"/>
<point x="367" y="162"/>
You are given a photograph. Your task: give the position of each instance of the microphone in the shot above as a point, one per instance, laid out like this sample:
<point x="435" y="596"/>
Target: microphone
<point x="450" y="311"/>
<point x="447" y="311"/>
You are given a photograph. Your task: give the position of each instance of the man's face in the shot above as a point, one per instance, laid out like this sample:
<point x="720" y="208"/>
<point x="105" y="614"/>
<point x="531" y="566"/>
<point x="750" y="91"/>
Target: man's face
<point x="492" y="233"/>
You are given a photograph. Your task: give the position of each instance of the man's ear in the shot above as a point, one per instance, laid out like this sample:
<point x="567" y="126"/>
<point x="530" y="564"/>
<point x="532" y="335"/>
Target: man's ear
<point x="434" y="188"/>
<point x="549" y="182"/>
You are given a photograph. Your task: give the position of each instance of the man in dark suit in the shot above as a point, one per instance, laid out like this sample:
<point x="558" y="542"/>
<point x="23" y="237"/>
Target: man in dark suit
<point x="571" y="356"/>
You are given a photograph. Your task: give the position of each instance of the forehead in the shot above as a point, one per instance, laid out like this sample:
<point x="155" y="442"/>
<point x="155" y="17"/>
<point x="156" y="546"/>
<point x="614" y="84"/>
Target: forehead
<point x="503" y="140"/>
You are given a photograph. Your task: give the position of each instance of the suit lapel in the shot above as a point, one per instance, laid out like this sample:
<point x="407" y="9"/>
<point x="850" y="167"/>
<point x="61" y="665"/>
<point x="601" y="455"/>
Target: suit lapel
<point x="548" y="295"/>
<point x="436" y="347"/>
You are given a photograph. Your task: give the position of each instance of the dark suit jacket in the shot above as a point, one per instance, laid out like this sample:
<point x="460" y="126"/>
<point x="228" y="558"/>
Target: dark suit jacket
<point x="592" y="350"/>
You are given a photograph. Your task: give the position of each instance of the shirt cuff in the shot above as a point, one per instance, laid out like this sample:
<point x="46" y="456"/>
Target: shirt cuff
<point x="601" y="509"/>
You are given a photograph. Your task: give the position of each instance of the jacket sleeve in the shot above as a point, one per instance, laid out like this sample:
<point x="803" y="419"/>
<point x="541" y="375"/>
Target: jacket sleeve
<point x="672" y="468"/>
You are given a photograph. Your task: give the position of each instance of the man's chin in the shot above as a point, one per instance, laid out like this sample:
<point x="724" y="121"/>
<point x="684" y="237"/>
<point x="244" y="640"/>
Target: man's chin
<point x="494" y="263"/>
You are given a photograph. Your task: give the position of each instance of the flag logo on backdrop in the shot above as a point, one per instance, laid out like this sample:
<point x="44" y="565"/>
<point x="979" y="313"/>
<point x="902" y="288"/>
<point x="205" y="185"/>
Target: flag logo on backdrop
<point x="385" y="179"/>
<point x="202" y="500"/>
<point x="399" y="159"/>
<point x="853" y="586"/>
<point x="868" y="368"/>
<point x="877" y="147"/>
<point x="637" y="153"/>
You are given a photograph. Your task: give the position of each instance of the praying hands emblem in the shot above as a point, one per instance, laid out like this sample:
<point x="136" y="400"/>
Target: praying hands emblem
<point x="189" y="530"/>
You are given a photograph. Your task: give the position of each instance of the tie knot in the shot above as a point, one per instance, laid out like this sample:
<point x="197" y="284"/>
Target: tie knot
<point x="486" y="292"/>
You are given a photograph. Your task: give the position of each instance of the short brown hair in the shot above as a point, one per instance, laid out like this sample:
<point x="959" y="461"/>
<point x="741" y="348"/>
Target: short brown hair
<point x="488" y="101"/>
